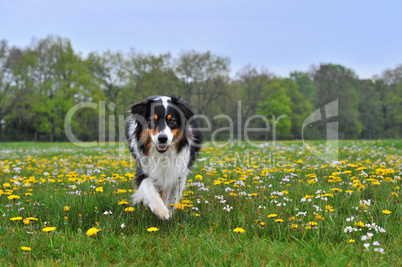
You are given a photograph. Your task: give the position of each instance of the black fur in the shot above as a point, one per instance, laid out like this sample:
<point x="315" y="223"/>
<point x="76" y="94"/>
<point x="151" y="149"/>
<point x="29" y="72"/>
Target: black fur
<point x="195" y="135"/>
<point x="139" y="176"/>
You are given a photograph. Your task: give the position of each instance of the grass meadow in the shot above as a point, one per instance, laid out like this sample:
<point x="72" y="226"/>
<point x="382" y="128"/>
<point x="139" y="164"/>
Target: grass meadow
<point x="244" y="205"/>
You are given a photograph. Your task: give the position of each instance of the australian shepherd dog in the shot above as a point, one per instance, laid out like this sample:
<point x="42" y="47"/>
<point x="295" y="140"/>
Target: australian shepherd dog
<point x="164" y="137"/>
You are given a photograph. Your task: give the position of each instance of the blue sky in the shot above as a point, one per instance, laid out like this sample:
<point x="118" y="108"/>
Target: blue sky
<point x="282" y="36"/>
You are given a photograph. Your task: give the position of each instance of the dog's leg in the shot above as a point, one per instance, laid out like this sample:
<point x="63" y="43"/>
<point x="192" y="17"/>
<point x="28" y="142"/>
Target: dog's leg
<point x="182" y="185"/>
<point x="150" y="197"/>
<point x="175" y="193"/>
<point x="164" y="196"/>
<point x="173" y="197"/>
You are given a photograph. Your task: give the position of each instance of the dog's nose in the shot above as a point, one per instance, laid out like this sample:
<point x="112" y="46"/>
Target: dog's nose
<point x="162" y="138"/>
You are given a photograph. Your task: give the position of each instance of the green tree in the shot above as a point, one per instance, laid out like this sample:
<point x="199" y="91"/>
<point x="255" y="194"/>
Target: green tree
<point x="306" y="85"/>
<point x="8" y="88"/>
<point x="370" y="110"/>
<point x="300" y="106"/>
<point x="382" y="89"/>
<point x="394" y="101"/>
<point x="336" y="82"/>
<point x="58" y="77"/>
<point x="391" y="97"/>
<point x="250" y="84"/>
<point x="204" y="78"/>
<point x="275" y="105"/>
<point x="20" y="121"/>
<point x="150" y="75"/>
<point x="110" y="76"/>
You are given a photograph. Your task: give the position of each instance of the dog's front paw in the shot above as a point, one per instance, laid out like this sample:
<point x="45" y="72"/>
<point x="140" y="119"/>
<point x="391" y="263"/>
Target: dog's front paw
<point x="163" y="213"/>
<point x="136" y="198"/>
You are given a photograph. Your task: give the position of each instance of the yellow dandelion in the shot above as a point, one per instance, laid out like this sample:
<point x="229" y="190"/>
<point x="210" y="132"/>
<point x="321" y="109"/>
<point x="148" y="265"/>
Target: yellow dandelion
<point x="123" y="202"/>
<point x="279" y="220"/>
<point x="92" y="231"/>
<point x="99" y="189"/>
<point x="48" y="229"/>
<point x="359" y="224"/>
<point x="12" y="197"/>
<point x="16" y="219"/>
<point x="32" y="218"/>
<point x="351" y="240"/>
<point x="294" y="226"/>
<point x="336" y="190"/>
<point x="129" y="209"/>
<point x="26" y="248"/>
<point x="66" y="208"/>
<point x="238" y="230"/>
<point x="312" y="223"/>
<point x="272" y="215"/>
<point x="318" y="217"/>
<point x="386" y="212"/>
<point x="329" y="208"/>
<point x="152" y="229"/>
<point x="25" y="221"/>
<point x="198" y="177"/>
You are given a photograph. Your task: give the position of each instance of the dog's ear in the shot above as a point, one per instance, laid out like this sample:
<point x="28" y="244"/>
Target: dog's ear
<point x="139" y="108"/>
<point x="139" y="113"/>
<point x="184" y="106"/>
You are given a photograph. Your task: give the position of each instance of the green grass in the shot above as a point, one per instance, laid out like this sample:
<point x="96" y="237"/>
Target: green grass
<point x="251" y="181"/>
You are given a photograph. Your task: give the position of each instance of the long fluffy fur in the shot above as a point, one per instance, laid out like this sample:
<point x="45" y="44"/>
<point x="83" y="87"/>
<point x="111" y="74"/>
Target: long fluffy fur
<point x="162" y="168"/>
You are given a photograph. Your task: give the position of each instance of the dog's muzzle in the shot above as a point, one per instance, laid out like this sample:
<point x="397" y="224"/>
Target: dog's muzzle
<point x="162" y="145"/>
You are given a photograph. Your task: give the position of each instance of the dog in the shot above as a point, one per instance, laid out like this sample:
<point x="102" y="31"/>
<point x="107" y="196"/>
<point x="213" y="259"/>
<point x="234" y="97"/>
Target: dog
<point x="164" y="137"/>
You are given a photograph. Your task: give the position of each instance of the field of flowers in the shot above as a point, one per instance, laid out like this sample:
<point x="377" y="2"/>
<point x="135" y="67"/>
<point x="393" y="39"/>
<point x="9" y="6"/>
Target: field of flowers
<point x="260" y="204"/>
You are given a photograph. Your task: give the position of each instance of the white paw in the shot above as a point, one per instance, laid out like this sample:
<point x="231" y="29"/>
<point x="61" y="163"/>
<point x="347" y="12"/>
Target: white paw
<point x="135" y="198"/>
<point x="162" y="212"/>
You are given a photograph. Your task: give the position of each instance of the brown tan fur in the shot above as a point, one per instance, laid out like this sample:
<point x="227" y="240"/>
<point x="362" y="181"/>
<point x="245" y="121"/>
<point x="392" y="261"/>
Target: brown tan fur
<point x="146" y="138"/>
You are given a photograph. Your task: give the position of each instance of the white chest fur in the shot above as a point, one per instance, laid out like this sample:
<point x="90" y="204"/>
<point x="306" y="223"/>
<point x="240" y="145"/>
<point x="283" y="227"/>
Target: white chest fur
<point x="166" y="169"/>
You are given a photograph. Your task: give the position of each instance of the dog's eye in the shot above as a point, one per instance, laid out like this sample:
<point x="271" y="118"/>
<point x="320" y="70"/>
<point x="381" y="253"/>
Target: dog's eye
<point x="172" y="121"/>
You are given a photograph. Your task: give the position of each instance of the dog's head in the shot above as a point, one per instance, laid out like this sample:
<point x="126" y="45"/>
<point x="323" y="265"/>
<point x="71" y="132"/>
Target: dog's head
<point x="162" y="121"/>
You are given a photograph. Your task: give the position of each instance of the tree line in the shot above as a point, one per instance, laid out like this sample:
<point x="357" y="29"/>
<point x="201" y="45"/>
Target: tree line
<point x="40" y="83"/>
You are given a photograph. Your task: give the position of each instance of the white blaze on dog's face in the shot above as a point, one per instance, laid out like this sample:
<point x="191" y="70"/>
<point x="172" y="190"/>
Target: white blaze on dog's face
<point x="164" y="124"/>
